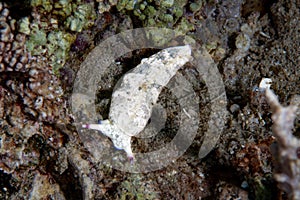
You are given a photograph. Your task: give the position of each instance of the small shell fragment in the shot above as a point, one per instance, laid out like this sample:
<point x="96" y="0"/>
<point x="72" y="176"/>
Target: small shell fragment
<point x="265" y="83"/>
<point x="135" y="94"/>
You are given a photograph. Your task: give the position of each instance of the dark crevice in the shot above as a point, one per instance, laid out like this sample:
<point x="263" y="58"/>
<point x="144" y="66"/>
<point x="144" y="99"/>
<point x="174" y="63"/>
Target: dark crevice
<point x="261" y="6"/>
<point x="68" y="181"/>
<point x="18" y="8"/>
<point x="5" y="182"/>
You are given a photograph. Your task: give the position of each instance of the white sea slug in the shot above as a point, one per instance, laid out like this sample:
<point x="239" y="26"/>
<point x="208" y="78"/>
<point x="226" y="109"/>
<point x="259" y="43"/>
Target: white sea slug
<point x="135" y="94"/>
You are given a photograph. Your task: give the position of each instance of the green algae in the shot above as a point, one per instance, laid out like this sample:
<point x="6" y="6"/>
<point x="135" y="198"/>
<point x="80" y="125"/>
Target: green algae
<point x="83" y="17"/>
<point x="161" y="14"/>
<point x="53" y="38"/>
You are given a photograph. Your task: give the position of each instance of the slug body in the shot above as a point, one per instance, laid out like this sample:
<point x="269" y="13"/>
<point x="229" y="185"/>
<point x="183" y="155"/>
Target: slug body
<point x="136" y="93"/>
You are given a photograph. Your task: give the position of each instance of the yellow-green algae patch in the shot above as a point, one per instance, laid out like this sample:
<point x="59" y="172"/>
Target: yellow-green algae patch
<point x="53" y="27"/>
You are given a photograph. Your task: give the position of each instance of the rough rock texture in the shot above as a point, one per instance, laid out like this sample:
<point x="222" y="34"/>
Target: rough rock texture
<point x="286" y="151"/>
<point x="249" y="40"/>
<point x="13" y="56"/>
<point x="31" y="110"/>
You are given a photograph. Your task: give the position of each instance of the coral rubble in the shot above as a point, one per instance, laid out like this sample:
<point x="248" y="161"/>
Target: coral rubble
<point x="286" y="151"/>
<point x="31" y="105"/>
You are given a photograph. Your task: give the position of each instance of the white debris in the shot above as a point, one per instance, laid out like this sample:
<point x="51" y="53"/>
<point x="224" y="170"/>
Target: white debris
<point x="136" y="93"/>
<point x="265" y="83"/>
